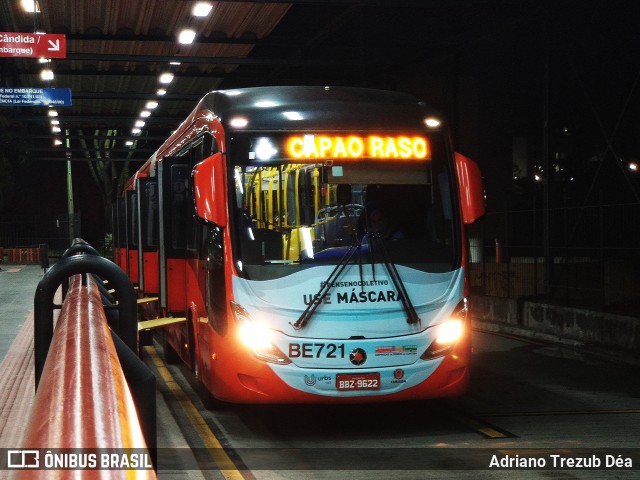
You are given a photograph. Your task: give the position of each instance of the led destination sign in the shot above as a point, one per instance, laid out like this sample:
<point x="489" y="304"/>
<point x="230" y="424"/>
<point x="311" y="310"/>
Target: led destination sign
<point x="352" y="146"/>
<point x="325" y="147"/>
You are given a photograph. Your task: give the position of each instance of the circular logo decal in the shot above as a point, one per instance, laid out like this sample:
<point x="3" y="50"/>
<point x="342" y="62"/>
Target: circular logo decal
<point x="358" y="356"/>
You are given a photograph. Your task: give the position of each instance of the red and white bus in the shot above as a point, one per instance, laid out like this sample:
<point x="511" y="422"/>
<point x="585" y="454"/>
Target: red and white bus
<point x="313" y="239"/>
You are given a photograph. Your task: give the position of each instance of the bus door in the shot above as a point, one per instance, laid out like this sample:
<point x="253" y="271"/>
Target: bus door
<point x="173" y="181"/>
<point x="131" y="234"/>
<point x="147" y="189"/>
<point x="117" y="216"/>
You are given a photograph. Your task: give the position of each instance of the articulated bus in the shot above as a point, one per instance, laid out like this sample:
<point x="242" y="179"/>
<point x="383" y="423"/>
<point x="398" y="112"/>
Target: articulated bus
<point x="307" y="244"/>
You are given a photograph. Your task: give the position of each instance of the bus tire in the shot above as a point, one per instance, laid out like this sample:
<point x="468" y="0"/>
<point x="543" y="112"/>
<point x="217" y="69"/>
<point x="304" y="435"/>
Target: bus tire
<point x="209" y="401"/>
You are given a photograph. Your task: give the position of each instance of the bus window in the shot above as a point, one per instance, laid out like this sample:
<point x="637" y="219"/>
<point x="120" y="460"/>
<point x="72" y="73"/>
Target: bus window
<point x="300" y="214"/>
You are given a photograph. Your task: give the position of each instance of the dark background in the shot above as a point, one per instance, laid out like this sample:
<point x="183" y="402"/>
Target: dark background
<point x="523" y="84"/>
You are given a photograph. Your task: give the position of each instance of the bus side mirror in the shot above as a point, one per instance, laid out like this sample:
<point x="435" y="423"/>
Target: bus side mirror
<point x="470" y="187"/>
<point x="209" y="190"/>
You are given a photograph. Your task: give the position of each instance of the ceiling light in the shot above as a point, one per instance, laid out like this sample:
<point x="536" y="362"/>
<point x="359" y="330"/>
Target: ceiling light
<point x="151" y="105"/>
<point x="266" y="104"/>
<point x="175" y="63"/>
<point x="292" y="115"/>
<point x="139" y="123"/>
<point x="55" y="122"/>
<point x="44" y="60"/>
<point x="52" y="113"/>
<point x="129" y="143"/>
<point x="57" y="142"/>
<point x="161" y="91"/>
<point x="201" y="9"/>
<point x="166" y="78"/>
<point x="186" y="36"/>
<point x="55" y="129"/>
<point x="136" y="131"/>
<point x="145" y="113"/>
<point x="432" y="122"/>
<point x="30" y="6"/>
<point x="46" y="74"/>
<point x="239" y="122"/>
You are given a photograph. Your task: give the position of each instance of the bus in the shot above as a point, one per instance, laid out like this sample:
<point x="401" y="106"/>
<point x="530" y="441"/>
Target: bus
<point x="307" y="244"/>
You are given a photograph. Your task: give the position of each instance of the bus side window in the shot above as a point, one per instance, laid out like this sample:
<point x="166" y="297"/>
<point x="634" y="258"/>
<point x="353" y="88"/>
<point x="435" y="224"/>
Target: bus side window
<point x="179" y="180"/>
<point x="216" y="296"/>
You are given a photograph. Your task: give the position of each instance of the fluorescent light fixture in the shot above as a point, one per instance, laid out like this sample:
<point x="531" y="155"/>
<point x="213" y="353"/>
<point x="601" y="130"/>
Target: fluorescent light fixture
<point x="266" y="104"/>
<point x="139" y="123"/>
<point x="57" y="142"/>
<point x="239" y="122"/>
<point x="201" y="9"/>
<point x="293" y="115"/>
<point x="175" y="63"/>
<point x="52" y="113"/>
<point x="55" y="129"/>
<point x="166" y="78"/>
<point x="55" y="122"/>
<point x="145" y="113"/>
<point x="44" y="60"/>
<point x="46" y="74"/>
<point x="161" y="91"/>
<point x="129" y="143"/>
<point x="432" y="122"/>
<point x="136" y="131"/>
<point x="633" y="166"/>
<point x="151" y="105"/>
<point x="30" y="6"/>
<point x="186" y="36"/>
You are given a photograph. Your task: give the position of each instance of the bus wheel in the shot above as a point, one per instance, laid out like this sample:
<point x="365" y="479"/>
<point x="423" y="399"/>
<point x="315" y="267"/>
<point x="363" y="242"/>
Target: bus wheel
<point x="210" y="402"/>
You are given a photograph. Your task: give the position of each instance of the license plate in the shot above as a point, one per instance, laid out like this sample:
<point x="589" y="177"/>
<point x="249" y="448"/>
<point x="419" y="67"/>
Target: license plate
<point x="358" y="381"/>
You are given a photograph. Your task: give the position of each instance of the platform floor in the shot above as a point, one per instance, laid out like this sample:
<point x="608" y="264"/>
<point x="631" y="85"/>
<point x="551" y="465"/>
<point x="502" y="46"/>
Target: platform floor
<point x="17" y="288"/>
<point x="18" y="285"/>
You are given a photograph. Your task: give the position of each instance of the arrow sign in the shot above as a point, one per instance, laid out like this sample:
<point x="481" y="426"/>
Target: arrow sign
<point x="33" y="45"/>
<point x="54" y="46"/>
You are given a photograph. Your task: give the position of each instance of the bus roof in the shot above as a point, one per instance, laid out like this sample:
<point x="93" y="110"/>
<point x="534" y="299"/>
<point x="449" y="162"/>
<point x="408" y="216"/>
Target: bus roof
<point x="317" y="107"/>
<point x="299" y="108"/>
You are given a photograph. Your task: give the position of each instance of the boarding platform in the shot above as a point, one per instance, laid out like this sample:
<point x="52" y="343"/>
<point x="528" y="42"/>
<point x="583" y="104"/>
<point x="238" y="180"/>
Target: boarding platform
<point x="18" y="284"/>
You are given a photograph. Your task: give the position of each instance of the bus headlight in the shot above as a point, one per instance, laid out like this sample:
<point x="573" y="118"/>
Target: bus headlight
<point x="257" y="338"/>
<point x="448" y="334"/>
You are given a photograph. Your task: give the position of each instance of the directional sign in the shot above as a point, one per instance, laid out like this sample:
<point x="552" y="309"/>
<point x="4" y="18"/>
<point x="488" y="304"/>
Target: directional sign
<point x="33" y="45"/>
<point x="27" y="97"/>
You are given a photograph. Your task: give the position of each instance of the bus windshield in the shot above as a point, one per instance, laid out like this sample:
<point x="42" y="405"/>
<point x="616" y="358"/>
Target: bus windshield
<point x="312" y="209"/>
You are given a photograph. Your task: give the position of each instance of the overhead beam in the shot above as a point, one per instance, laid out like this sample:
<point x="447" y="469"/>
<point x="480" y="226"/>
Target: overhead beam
<point x="171" y="97"/>
<point x="93" y="137"/>
<point x="82" y="159"/>
<point x="118" y="150"/>
<point x="213" y="39"/>
<point x="227" y="60"/>
<point x="98" y="119"/>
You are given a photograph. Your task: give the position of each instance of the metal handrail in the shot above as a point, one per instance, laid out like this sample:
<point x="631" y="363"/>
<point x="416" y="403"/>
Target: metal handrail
<point x="90" y="307"/>
<point x="83" y="400"/>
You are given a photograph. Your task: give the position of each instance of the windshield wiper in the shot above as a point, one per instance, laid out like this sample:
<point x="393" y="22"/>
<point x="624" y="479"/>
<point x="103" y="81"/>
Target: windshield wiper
<point x="412" y="315"/>
<point x="326" y="286"/>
